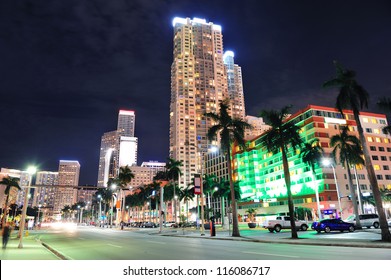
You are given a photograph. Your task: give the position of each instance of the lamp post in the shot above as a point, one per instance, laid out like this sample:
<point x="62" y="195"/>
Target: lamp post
<point x="31" y="171"/>
<point x="100" y="207"/>
<point x="113" y="187"/>
<point x="327" y="162"/>
<point x="39" y="208"/>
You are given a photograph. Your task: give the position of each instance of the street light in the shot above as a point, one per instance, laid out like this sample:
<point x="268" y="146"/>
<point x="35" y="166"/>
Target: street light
<point x="113" y="187"/>
<point x="100" y="207"/>
<point x="326" y="162"/>
<point x="31" y="171"/>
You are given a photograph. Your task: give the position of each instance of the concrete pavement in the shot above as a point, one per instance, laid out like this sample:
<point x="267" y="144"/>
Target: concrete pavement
<point x="34" y="249"/>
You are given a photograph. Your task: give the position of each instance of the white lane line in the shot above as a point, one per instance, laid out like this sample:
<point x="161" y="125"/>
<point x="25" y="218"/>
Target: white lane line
<point x="114" y="245"/>
<point x="158" y="242"/>
<point x="275" y="255"/>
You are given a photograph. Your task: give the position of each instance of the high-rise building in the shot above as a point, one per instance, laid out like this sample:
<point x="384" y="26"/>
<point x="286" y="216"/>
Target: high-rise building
<point x="235" y="85"/>
<point x="198" y="85"/>
<point x="45" y="190"/>
<point x="258" y="127"/>
<point x="68" y="180"/>
<point x="118" y="148"/>
<point x="261" y="176"/>
<point x="126" y="123"/>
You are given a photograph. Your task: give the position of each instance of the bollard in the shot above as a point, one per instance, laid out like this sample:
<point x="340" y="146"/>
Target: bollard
<point x="212" y="226"/>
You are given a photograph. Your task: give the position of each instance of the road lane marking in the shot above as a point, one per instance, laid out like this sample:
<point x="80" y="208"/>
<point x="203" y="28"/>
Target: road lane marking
<point x="158" y="242"/>
<point x="275" y="255"/>
<point x="114" y="245"/>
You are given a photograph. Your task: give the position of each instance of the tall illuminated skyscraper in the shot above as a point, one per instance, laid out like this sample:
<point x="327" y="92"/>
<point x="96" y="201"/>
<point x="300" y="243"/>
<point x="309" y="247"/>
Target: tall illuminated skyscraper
<point x="118" y="148"/>
<point x="198" y="84"/>
<point x="235" y="85"/>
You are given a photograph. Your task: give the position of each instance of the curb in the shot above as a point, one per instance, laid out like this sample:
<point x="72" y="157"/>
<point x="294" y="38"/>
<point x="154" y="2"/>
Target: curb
<point x="55" y="252"/>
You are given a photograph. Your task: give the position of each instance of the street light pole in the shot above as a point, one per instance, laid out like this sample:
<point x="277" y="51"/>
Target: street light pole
<point x="202" y="195"/>
<point x="31" y="171"/>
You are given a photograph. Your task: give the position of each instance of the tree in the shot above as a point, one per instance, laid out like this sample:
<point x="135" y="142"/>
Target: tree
<point x="311" y="154"/>
<point x="187" y="195"/>
<point x="347" y="148"/>
<point x="173" y="172"/>
<point x="229" y="130"/>
<point x="282" y="136"/>
<point x="353" y="96"/>
<point x="251" y="214"/>
<point x="9" y="182"/>
<point x="125" y="176"/>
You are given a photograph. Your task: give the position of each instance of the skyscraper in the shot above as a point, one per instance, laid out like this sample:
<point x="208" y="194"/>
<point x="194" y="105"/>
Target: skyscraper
<point x="126" y="123"/>
<point x="198" y="84"/>
<point x="118" y="148"/>
<point x="235" y="85"/>
<point x="68" y="180"/>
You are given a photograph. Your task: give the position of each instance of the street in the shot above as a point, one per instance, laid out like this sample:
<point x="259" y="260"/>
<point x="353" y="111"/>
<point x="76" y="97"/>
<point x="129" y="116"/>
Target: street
<point x="91" y="243"/>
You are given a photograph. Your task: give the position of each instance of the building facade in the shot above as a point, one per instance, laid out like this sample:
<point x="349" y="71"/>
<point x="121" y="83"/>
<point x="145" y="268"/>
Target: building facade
<point x="198" y="85"/>
<point x="260" y="173"/>
<point x="68" y="180"/>
<point x="118" y="148"/>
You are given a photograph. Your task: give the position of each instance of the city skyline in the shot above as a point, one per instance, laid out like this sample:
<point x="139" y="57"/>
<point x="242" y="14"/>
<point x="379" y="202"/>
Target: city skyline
<point x="68" y="68"/>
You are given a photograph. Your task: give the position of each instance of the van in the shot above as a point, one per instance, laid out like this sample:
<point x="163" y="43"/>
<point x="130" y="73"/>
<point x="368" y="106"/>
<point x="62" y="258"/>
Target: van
<point x="366" y="220"/>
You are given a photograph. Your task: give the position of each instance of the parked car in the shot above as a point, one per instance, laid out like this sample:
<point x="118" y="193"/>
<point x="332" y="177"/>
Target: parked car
<point x="170" y="224"/>
<point x="328" y="225"/>
<point x="149" y="225"/>
<point x="284" y="222"/>
<point x="366" y="220"/>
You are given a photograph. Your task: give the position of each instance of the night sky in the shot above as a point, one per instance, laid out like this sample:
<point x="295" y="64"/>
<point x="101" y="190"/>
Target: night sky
<point x="67" y="67"/>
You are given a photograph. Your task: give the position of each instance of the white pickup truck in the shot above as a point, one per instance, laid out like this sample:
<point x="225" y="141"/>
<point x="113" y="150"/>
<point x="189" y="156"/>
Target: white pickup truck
<point x="283" y="222"/>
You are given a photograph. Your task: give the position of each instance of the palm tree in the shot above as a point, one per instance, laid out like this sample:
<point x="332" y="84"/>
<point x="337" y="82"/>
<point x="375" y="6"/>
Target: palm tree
<point x="282" y="136"/>
<point x="347" y="148"/>
<point x="311" y="155"/>
<point x="9" y="182"/>
<point x="385" y="103"/>
<point x="209" y="184"/>
<point x="173" y="172"/>
<point x="251" y="214"/>
<point x="66" y="211"/>
<point x="125" y="176"/>
<point x="224" y="192"/>
<point x="353" y="96"/>
<point x="229" y="130"/>
<point x="187" y="195"/>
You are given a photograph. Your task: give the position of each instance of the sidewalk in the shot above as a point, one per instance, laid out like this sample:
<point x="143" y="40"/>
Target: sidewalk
<point x="32" y="250"/>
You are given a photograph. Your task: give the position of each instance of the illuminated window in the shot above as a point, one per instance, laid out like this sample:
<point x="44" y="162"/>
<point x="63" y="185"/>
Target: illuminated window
<point x="365" y="120"/>
<point x="370" y="139"/>
<point x="386" y="140"/>
<point x="376" y="167"/>
<point x="376" y="130"/>
<point x="378" y="140"/>
<point x="374" y="120"/>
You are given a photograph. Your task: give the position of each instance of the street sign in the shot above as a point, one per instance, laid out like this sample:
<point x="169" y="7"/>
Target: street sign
<point x="197" y="184"/>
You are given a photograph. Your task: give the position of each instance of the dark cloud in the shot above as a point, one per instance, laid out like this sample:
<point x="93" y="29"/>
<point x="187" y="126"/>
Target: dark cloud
<point x="67" y="67"/>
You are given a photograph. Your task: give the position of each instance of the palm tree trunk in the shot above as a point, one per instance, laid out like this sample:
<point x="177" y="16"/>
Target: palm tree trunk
<point x="385" y="231"/>
<point x="317" y="195"/>
<point x="288" y="187"/>
<point x="353" y="194"/>
<point x="5" y="212"/>
<point x="235" y="223"/>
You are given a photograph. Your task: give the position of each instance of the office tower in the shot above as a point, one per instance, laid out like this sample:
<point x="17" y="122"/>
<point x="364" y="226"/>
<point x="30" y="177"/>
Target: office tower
<point x="118" y="148"/>
<point x="45" y="190"/>
<point x="108" y="158"/>
<point x="235" y="85"/>
<point x="143" y="175"/>
<point x="68" y="180"/>
<point x="126" y="123"/>
<point x="198" y="85"/>
<point x="261" y="175"/>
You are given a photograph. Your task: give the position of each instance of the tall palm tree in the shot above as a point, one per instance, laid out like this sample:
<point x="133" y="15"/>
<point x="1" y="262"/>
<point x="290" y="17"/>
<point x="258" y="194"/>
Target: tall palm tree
<point x="353" y="96"/>
<point x="282" y="136"/>
<point x="347" y="148"/>
<point x="9" y="182"/>
<point x="173" y="167"/>
<point x="385" y="103"/>
<point x="229" y="130"/>
<point x="125" y="176"/>
<point x="187" y="195"/>
<point x="311" y="154"/>
<point x="209" y="184"/>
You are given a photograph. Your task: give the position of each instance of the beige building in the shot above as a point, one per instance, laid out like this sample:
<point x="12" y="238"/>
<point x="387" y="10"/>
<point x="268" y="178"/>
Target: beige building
<point x="68" y="180"/>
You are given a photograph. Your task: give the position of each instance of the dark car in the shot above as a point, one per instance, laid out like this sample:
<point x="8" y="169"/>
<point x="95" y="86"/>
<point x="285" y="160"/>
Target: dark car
<point x="328" y="225"/>
<point x="149" y="225"/>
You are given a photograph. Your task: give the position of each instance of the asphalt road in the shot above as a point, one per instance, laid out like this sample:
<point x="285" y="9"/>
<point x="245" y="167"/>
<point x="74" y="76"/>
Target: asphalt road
<point x="89" y="243"/>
